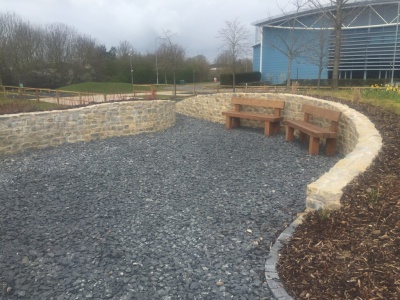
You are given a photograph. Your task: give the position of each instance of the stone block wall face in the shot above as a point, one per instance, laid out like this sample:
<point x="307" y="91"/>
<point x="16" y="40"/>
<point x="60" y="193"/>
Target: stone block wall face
<point x="358" y="138"/>
<point x="25" y="131"/>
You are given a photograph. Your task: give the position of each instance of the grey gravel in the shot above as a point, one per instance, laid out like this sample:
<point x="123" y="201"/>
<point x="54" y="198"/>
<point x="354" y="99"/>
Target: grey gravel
<point x="188" y="213"/>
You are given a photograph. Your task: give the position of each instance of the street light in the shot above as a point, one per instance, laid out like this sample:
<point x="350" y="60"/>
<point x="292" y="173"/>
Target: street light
<point x="155" y="42"/>
<point x="130" y="60"/>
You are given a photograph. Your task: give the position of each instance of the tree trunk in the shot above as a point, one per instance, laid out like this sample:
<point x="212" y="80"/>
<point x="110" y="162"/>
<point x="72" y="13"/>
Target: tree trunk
<point x="173" y="75"/>
<point x="338" y="43"/>
<point x="289" y="72"/>
<point x="233" y="77"/>
<point x="319" y="77"/>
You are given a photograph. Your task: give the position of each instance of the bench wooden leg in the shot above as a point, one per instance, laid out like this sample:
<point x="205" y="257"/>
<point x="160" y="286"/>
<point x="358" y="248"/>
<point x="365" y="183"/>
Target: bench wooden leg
<point x="289" y="134"/>
<point x="228" y="122"/>
<point x="330" y="147"/>
<point x="268" y="128"/>
<point x="313" y="148"/>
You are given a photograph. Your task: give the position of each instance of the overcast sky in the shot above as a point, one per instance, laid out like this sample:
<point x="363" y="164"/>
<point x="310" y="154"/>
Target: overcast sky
<point x="195" y="22"/>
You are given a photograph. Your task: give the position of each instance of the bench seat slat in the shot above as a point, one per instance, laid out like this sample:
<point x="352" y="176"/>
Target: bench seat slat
<point x="271" y="121"/>
<point x="254" y="116"/>
<point x="315" y="132"/>
<point x="311" y="129"/>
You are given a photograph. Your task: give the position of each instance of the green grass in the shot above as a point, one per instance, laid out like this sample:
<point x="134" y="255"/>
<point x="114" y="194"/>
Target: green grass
<point x="345" y="94"/>
<point x="379" y="98"/>
<point x="105" y="88"/>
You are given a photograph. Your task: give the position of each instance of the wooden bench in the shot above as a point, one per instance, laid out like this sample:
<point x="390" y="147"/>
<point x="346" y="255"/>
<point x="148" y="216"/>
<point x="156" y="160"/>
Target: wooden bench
<point x="272" y="122"/>
<point x="315" y="132"/>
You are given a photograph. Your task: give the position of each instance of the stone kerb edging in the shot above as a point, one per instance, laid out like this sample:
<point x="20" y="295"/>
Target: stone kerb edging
<point x="358" y="139"/>
<point x="25" y="131"/>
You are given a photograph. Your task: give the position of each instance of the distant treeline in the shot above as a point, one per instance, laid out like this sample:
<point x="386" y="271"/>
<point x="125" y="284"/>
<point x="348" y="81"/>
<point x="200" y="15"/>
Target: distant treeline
<point x="57" y="55"/>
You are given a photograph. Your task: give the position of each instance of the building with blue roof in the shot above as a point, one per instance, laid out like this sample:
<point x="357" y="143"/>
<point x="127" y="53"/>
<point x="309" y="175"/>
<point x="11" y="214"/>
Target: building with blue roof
<point x="370" y="43"/>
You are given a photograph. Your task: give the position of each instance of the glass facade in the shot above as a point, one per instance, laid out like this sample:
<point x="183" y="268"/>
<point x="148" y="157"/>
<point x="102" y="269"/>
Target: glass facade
<point x="369" y="52"/>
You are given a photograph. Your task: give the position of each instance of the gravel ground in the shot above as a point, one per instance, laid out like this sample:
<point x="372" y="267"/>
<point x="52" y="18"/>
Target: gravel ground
<point x="188" y="213"/>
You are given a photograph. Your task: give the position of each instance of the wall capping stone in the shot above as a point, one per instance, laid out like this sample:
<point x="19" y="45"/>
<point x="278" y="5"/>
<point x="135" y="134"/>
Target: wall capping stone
<point x="358" y="139"/>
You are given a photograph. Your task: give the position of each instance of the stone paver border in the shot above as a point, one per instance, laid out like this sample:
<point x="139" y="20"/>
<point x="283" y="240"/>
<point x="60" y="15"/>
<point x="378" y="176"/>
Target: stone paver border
<point x="271" y="273"/>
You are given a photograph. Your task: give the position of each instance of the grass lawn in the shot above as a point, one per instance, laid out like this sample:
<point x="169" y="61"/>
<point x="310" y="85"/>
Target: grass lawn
<point x="389" y="100"/>
<point x="105" y="88"/>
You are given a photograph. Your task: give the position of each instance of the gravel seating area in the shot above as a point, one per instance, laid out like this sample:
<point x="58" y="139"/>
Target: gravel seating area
<point x="188" y="213"/>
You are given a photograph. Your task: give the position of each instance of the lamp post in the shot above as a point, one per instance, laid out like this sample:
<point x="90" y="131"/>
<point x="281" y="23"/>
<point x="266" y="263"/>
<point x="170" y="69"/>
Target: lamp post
<point x="155" y="42"/>
<point x="130" y="60"/>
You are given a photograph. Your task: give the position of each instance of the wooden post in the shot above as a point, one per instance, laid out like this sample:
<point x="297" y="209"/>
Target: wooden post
<point x="268" y="129"/>
<point x="289" y="134"/>
<point x="228" y="122"/>
<point x="313" y="147"/>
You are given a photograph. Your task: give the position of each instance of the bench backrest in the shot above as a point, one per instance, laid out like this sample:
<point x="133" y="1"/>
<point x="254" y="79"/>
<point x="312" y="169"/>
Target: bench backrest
<point x="332" y="115"/>
<point x="277" y="105"/>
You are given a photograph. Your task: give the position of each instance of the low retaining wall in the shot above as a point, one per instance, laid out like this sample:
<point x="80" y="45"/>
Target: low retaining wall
<point x="358" y="139"/>
<point x="25" y="131"/>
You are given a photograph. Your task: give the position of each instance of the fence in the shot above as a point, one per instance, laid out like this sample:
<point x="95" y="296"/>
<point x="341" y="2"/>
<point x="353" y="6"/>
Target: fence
<point x="68" y="97"/>
<point x="83" y="98"/>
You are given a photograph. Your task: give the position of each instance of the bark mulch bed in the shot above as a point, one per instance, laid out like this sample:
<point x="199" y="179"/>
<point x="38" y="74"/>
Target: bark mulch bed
<point x="353" y="253"/>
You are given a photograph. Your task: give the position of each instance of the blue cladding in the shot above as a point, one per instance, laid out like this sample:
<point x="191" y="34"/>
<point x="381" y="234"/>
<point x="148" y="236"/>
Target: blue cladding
<point x="256" y="57"/>
<point x="370" y="43"/>
<point x="275" y="63"/>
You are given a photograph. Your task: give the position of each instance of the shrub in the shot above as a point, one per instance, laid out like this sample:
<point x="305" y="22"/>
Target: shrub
<point x="240" y="78"/>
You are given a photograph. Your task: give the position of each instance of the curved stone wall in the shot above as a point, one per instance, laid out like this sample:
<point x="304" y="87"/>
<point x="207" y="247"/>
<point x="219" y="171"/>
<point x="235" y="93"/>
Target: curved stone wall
<point x="358" y="139"/>
<point x="20" y="132"/>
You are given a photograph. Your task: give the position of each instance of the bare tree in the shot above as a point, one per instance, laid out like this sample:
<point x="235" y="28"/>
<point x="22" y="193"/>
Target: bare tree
<point x="223" y="61"/>
<point x="20" y="47"/>
<point x="292" y="45"/>
<point x="245" y="65"/>
<point x="234" y="38"/>
<point x="124" y="49"/>
<point x="172" y="56"/>
<point x="200" y="67"/>
<point x="59" y="43"/>
<point x="317" y="53"/>
<point x="337" y="18"/>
